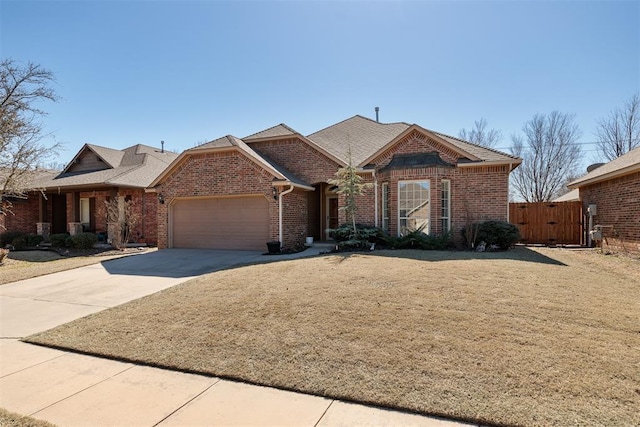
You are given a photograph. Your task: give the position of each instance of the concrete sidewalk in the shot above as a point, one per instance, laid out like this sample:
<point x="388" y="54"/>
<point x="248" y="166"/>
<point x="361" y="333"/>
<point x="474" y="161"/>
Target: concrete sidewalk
<point x="70" y="389"/>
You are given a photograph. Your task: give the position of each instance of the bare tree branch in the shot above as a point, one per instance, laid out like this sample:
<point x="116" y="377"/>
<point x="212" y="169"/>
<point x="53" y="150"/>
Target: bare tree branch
<point x="549" y="155"/>
<point x="480" y="135"/>
<point x="619" y="133"/>
<point x="22" y="88"/>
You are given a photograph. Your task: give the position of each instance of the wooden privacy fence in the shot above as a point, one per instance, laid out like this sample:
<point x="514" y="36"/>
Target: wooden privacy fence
<point x="548" y="223"/>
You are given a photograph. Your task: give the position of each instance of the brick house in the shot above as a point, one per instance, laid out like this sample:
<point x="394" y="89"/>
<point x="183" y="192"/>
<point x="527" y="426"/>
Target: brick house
<point x="74" y="200"/>
<point x="273" y="185"/>
<point x="614" y="189"/>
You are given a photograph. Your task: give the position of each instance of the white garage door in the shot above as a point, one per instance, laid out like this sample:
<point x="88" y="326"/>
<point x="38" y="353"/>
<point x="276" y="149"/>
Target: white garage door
<point x="221" y="223"/>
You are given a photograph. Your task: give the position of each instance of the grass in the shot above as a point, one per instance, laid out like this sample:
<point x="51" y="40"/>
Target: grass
<point x="10" y="419"/>
<point x="526" y="337"/>
<point x="21" y="265"/>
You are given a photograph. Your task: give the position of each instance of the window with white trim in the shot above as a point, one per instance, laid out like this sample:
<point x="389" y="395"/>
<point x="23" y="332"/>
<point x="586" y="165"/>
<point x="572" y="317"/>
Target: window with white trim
<point x="385" y="206"/>
<point x="446" y="205"/>
<point x="413" y="206"/>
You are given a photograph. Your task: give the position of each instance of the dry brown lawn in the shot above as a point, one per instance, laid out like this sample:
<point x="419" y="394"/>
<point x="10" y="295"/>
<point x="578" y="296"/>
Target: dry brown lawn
<point x="21" y="265"/>
<point x="526" y="337"/>
<point x="10" y="419"/>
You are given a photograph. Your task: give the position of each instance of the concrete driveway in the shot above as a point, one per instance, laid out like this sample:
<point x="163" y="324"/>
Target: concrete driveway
<point x="41" y="303"/>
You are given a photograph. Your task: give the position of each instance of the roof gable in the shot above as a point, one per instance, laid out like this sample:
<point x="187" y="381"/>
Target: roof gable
<point x="625" y="164"/>
<point x="360" y="135"/>
<point x="272" y="132"/>
<point x="232" y="143"/>
<point x="368" y="139"/>
<point x="94" y="158"/>
<point x="93" y="165"/>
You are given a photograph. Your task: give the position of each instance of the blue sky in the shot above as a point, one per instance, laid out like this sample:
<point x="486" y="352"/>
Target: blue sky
<point x="186" y="72"/>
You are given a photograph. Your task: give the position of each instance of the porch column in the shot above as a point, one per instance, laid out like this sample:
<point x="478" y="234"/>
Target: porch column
<point x="43" y="229"/>
<point x="75" y="228"/>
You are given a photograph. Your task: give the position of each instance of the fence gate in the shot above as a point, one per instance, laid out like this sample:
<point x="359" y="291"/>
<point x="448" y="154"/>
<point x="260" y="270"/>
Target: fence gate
<point x="548" y="223"/>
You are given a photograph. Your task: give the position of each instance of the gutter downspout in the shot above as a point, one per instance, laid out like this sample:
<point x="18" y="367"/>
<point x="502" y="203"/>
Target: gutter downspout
<point x="280" y="212"/>
<point x="375" y="188"/>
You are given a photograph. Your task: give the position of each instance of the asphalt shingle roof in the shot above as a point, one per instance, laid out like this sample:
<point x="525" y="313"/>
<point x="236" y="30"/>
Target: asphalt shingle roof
<point x="136" y="166"/>
<point x="367" y="137"/>
<point x="363" y="135"/>
<point x="275" y="131"/>
<point x="628" y="160"/>
<point x="483" y="153"/>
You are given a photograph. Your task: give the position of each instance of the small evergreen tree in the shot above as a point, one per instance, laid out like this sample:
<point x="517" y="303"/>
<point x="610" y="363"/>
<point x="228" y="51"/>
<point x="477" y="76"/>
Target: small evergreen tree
<point x="350" y="185"/>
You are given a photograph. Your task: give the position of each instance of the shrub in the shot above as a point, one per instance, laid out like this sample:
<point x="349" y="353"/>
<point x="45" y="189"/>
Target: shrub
<point x="59" y="240"/>
<point x="501" y="234"/>
<point x="19" y="243"/>
<point x="365" y="236"/>
<point x="3" y="254"/>
<point x="84" y="240"/>
<point x="34" y="239"/>
<point x="417" y="239"/>
<point x="7" y="237"/>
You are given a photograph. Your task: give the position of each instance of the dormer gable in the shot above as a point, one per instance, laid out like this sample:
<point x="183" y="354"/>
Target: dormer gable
<point x="93" y="158"/>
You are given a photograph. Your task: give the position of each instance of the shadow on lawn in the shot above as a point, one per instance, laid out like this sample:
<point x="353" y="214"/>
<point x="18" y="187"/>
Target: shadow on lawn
<point x="519" y="253"/>
<point x="178" y="263"/>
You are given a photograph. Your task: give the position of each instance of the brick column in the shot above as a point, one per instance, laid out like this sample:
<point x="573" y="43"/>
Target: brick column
<point x="43" y="229"/>
<point x="75" y="228"/>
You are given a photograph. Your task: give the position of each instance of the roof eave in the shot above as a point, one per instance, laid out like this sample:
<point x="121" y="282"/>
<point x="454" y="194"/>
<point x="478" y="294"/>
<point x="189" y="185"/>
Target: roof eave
<point x="281" y="182"/>
<point x="407" y="131"/>
<point x="605" y="177"/>
<point x="512" y="163"/>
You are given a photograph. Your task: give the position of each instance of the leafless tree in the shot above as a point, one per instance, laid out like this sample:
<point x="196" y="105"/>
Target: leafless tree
<point x="619" y="133"/>
<point x="22" y="89"/>
<point x="480" y="135"/>
<point x="549" y="156"/>
<point x="122" y="219"/>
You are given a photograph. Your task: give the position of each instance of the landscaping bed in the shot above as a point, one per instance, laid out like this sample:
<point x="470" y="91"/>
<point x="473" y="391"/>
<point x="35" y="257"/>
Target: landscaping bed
<point x="524" y="337"/>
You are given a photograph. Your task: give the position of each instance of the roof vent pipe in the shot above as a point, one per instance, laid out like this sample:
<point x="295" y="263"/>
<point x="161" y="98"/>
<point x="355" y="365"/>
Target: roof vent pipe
<point x="162" y="144"/>
<point x="377" y="111"/>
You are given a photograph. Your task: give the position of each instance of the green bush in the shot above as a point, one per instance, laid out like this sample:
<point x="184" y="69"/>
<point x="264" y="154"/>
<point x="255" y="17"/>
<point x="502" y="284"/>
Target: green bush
<point x="84" y="240"/>
<point x="500" y="234"/>
<point x="59" y="240"/>
<point x="366" y="235"/>
<point x="7" y="237"/>
<point x="417" y="239"/>
<point x="34" y="239"/>
<point x="19" y="243"/>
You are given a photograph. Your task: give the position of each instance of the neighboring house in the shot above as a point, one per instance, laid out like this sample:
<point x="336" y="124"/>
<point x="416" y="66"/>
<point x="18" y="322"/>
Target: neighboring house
<point x="273" y="185"/>
<point x="614" y="189"/>
<point x="570" y="196"/>
<point x="74" y="200"/>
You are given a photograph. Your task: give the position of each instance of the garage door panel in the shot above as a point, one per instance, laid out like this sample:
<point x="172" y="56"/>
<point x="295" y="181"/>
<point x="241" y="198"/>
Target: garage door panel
<point x="221" y="223"/>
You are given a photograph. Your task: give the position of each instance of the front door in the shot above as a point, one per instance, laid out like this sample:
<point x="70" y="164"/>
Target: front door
<point x="59" y="213"/>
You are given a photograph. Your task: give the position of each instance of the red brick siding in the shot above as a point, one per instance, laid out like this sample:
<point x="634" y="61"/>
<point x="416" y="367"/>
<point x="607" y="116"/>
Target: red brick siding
<point x="299" y="158"/>
<point x="218" y="174"/>
<point x="476" y="194"/>
<point x="295" y="218"/>
<point x="415" y="142"/>
<point x="23" y="216"/>
<point x="27" y="212"/>
<point x="617" y="201"/>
